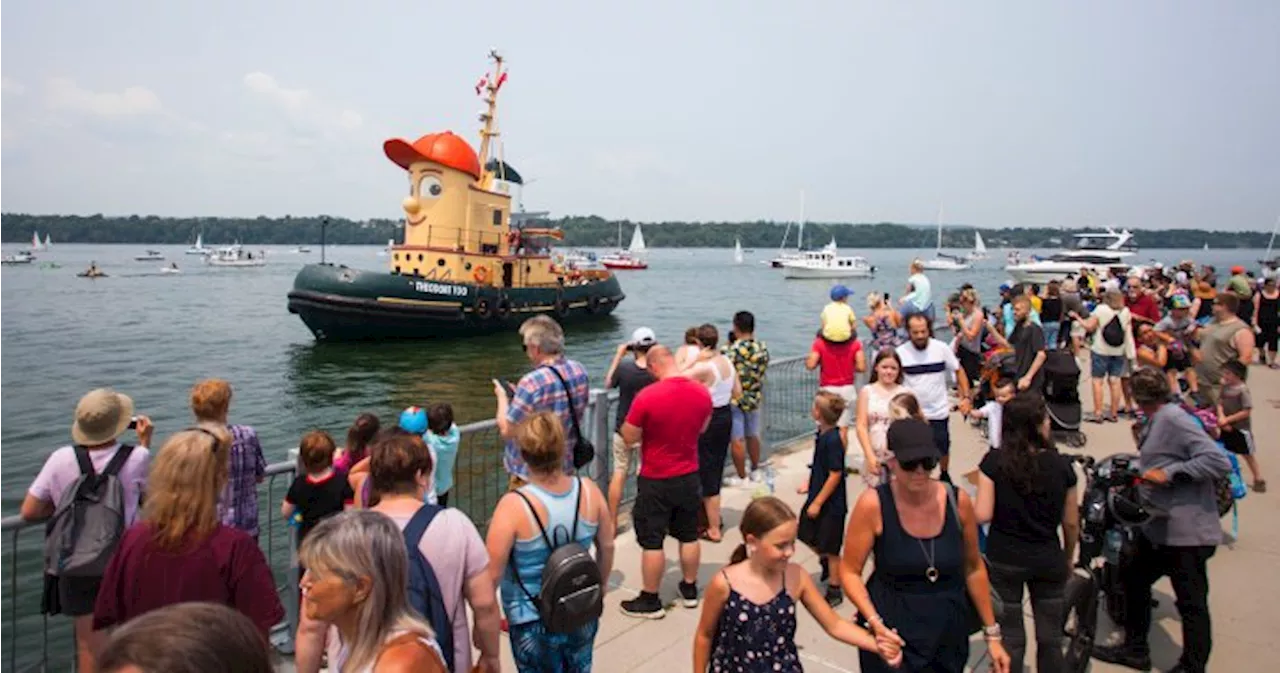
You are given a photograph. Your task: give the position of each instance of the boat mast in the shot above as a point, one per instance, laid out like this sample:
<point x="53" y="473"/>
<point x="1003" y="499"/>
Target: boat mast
<point x="491" y="84"/>
<point x="1271" y="242"/>
<point x="800" y="233"/>
<point x="939" y="250"/>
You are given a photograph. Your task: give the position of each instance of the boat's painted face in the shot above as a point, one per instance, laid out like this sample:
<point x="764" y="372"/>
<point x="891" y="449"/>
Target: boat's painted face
<point x="436" y="192"/>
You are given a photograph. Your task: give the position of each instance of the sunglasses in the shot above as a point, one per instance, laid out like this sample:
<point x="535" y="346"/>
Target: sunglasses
<point x="912" y="465"/>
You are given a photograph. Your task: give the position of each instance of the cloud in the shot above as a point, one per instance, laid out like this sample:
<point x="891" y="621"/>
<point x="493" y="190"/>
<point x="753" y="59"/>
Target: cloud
<point x="304" y="109"/>
<point x="10" y="85"/>
<point x="63" y="93"/>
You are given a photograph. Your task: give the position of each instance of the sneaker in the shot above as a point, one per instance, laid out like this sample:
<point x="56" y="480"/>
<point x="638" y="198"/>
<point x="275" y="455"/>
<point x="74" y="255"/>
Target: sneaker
<point x="1260" y="486"/>
<point x="757" y="476"/>
<point x="689" y="594"/>
<point x="644" y="606"/>
<point x="834" y="596"/>
<point x="735" y="482"/>
<point x="1122" y="656"/>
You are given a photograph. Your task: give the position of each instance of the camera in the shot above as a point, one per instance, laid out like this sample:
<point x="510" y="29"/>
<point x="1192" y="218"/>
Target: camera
<point x="133" y="423"/>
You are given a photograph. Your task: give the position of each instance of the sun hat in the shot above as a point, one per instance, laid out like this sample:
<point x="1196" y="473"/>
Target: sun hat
<point x="414" y="419"/>
<point x="839" y="292"/>
<point x="643" y="336"/>
<point x="911" y="439"/>
<point x="101" y="416"/>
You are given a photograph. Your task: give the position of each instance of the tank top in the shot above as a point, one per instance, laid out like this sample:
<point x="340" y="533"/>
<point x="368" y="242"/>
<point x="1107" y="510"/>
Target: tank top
<point x="529" y="557"/>
<point x="427" y="641"/>
<point x="878" y="421"/>
<point x="721" y="388"/>
<point x="1051" y="309"/>
<point x="755" y="638"/>
<point x="1217" y="347"/>
<point x="973" y="345"/>
<point x="884" y="334"/>
<point x="1268" y="310"/>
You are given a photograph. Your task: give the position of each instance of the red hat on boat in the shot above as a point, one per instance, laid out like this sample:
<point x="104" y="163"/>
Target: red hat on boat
<point x="445" y="149"/>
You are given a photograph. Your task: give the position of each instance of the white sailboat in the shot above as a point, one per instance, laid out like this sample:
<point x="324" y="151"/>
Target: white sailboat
<point x="35" y="241"/>
<point x="386" y="252"/>
<point x="198" y="248"/>
<point x="737" y="251"/>
<point x="784" y="257"/>
<point x="632" y="257"/>
<point x="827" y="263"/>
<point x="1271" y="264"/>
<point x="48" y="241"/>
<point x="979" y="248"/>
<point x="942" y="261"/>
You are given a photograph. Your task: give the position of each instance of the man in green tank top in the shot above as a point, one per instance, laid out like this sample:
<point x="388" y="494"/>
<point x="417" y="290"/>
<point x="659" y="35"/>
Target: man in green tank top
<point x="1225" y="338"/>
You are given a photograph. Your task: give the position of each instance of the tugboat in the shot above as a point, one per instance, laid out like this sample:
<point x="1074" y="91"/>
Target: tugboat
<point x="465" y="267"/>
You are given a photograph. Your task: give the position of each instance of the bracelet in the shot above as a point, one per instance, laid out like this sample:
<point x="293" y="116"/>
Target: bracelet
<point x="992" y="632"/>
<point x="993" y="639"/>
<point x="875" y="618"/>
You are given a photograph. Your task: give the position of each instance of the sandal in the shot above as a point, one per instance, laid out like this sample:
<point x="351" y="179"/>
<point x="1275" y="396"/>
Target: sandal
<point x="705" y="535"/>
<point x="1260" y="486"/>
<point x="1093" y="418"/>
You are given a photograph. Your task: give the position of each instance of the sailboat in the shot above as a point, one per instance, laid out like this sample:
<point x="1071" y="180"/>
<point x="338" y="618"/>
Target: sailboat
<point x="1206" y="245"/>
<point x="737" y="251"/>
<point x="1271" y="264"/>
<point x="48" y="241"/>
<point x="386" y="252"/>
<point x="35" y="241"/>
<point x="632" y="257"/>
<point x="979" y="248"/>
<point x="942" y="261"/>
<point x="198" y="248"/>
<point x="784" y="257"/>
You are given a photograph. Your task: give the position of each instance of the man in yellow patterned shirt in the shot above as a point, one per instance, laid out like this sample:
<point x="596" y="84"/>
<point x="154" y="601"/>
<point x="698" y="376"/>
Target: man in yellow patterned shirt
<point x="750" y="358"/>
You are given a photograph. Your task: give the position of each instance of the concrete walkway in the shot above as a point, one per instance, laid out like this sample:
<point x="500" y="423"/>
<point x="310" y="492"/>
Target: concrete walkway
<point x="1244" y="589"/>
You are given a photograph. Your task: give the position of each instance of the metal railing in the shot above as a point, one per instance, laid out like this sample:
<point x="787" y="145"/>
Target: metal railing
<point x="33" y="642"/>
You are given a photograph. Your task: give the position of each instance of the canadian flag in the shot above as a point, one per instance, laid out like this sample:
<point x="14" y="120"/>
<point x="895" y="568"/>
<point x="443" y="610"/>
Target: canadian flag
<point x="484" y="81"/>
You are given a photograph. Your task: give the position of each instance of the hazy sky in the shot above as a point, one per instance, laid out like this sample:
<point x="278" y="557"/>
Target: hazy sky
<point x="1138" y="113"/>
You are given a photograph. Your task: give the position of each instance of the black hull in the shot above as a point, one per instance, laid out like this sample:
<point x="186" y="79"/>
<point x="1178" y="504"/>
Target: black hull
<point x="341" y="304"/>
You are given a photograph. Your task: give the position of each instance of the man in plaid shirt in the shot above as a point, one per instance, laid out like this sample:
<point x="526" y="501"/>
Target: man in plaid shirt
<point x="238" y="506"/>
<point x="541" y="390"/>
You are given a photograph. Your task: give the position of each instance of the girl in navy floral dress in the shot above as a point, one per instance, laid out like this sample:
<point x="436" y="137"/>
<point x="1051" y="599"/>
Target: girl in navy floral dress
<point x="749" y="610"/>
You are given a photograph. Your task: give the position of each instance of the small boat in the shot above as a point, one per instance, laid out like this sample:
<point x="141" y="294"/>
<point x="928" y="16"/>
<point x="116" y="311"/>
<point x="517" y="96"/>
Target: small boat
<point x="19" y="257"/>
<point x="942" y="261"/>
<point x="1098" y="252"/>
<point x="198" y="248"/>
<point x="92" y="272"/>
<point x="386" y="252"/>
<point x="979" y="248"/>
<point x="302" y="249"/>
<point x="737" y="251"/>
<point x="576" y="260"/>
<point x="633" y="258"/>
<point x="150" y="256"/>
<point x="48" y="241"/>
<point x="35" y="241"/>
<point x="827" y="263"/>
<point x="172" y="268"/>
<point x="235" y="256"/>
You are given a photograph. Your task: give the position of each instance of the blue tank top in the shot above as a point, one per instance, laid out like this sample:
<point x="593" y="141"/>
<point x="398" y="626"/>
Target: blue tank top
<point x="529" y="557"/>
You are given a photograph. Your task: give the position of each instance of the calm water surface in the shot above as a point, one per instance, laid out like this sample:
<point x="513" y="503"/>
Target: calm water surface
<point x="152" y="336"/>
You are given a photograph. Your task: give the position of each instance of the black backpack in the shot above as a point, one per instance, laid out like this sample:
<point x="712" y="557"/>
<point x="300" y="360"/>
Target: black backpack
<point x="425" y="594"/>
<point x="1113" y="332"/>
<point x="88" y="522"/>
<point x="572" y="591"/>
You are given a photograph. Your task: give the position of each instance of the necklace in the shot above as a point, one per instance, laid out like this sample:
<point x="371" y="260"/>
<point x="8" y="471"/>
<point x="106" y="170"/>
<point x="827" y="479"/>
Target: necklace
<point x="931" y="573"/>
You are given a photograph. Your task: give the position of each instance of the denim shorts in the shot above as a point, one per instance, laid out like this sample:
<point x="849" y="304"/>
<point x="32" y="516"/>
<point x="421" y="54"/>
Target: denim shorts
<point x="535" y="650"/>
<point x="1108" y="365"/>
<point x="745" y="424"/>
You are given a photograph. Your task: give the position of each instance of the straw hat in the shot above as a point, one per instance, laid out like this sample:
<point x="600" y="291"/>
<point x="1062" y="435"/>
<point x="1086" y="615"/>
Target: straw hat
<point x="101" y="416"/>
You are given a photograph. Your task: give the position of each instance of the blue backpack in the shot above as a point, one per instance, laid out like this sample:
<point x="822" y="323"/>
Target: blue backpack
<point x="425" y="595"/>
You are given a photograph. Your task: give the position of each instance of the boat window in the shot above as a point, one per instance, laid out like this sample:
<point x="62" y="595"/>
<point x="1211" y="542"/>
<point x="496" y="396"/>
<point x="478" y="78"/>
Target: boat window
<point x="419" y="257"/>
<point x="395" y="255"/>
<point x="497" y="218"/>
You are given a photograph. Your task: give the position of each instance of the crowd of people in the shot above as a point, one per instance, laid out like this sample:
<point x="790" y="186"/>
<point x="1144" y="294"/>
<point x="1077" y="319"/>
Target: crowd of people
<point x="389" y="573"/>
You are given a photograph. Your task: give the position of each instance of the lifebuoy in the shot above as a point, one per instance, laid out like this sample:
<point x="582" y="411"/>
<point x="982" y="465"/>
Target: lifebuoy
<point x="593" y="304"/>
<point x="502" y="308"/>
<point x="483" y="310"/>
<point x="481" y="275"/>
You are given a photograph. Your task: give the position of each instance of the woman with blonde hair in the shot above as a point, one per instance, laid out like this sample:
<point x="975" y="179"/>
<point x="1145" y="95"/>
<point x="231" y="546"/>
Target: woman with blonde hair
<point x="179" y="539"/>
<point x="357" y="579"/>
<point x="883" y="322"/>
<point x="571" y="509"/>
<point x="238" y="504"/>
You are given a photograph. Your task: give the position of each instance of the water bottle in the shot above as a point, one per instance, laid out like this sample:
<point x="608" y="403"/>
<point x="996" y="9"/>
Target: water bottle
<point x="1113" y="544"/>
<point x="769" y="478"/>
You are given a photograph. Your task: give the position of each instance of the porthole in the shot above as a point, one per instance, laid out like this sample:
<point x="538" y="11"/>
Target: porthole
<point x="395" y="256"/>
<point x="419" y="257"/>
<point x="467" y="266"/>
<point x="440" y="262"/>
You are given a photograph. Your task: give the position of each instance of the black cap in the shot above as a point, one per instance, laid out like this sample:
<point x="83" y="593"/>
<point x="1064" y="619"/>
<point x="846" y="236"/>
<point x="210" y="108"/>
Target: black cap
<point x="911" y="439"/>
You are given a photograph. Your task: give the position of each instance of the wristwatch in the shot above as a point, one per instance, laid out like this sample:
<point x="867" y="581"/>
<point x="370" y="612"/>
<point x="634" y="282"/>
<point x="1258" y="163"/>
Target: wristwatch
<point x="991" y="632"/>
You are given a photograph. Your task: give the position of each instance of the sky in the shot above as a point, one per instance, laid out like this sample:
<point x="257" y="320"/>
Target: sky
<point x="1143" y="113"/>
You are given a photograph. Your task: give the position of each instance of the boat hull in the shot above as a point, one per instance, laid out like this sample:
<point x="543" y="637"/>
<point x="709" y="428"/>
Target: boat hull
<point x="806" y="272"/>
<point x="934" y="265"/>
<point x="1043" y="272"/>
<point x="338" y="303"/>
<point x="625" y="266"/>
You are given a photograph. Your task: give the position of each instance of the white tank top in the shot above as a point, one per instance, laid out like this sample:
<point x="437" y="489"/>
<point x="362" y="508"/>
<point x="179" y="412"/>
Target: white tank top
<point x="722" y="388"/>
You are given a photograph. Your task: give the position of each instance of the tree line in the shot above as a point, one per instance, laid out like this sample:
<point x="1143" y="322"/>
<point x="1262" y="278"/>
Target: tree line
<point x="588" y="231"/>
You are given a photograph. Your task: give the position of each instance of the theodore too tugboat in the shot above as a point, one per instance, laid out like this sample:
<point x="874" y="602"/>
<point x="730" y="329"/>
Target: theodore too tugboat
<point x="464" y="267"/>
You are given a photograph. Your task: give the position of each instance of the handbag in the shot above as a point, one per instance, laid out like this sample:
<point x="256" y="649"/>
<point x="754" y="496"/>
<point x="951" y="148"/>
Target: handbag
<point x="583" y="450"/>
<point x="997" y="603"/>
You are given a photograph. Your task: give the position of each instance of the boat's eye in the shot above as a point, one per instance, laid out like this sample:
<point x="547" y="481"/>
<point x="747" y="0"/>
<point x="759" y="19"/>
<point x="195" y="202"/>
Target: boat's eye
<point x="429" y="187"/>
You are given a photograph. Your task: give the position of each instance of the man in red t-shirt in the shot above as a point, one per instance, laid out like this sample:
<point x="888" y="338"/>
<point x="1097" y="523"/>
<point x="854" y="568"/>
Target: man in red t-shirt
<point x="837" y="365"/>
<point x="665" y="420"/>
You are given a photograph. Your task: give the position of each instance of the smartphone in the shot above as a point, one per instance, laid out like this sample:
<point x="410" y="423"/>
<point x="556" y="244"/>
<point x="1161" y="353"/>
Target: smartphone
<point x="507" y="387"/>
<point x="133" y="423"/>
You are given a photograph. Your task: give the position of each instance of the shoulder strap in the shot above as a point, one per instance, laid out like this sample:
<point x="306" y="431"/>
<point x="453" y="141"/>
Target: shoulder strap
<point x="528" y="503"/>
<point x="419" y="524"/>
<point x="954" y="506"/>
<point x="83" y="460"/>
<point x="117" y="461"/>
<point x="577" y="508"/>
<point x="573" y="414"/>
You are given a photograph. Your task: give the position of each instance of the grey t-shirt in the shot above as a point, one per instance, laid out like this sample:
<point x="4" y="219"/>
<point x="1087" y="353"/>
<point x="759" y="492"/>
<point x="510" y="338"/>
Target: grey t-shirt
<point x="629" y="378"/>
<point x="1235" y="399"/>
<point x="1176" y="442"/>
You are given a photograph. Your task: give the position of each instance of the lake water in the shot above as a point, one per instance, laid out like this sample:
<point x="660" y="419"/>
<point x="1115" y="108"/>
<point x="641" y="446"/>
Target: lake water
<point x="152" y="336"/>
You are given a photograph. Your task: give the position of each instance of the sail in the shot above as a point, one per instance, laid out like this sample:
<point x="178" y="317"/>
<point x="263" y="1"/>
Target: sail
<point x="737" y="251"/>
<point x="978" y="245"/>
<point x="199" y="241"/>
<point x="48" y="241"/>
<point x="35" y="241"/>
<point x="637" y="241"/>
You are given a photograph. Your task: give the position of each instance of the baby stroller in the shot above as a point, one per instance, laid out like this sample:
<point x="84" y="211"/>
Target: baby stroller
<point x="1062" y="397"/>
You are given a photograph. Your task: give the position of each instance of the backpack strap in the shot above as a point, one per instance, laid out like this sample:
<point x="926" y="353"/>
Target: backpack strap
<point x="83" y="460"/>
<point x="419" y="524"/>
<point x="573" y="414"/>
<point x="533" y="512"/>
<point x="117" y="461"/>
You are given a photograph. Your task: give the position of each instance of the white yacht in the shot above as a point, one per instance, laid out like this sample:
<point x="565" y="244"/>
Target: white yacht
<point x="19" y="257"/>
<point x="1098" y="252"/>
<point x="236" y="256"/>
<point x="827" y="263"/>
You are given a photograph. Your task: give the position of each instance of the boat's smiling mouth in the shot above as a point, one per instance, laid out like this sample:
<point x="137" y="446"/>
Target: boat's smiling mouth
<point x="415" y="222"/>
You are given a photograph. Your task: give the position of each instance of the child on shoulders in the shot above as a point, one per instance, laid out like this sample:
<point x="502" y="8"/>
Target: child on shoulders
<point x="838" y="319"/>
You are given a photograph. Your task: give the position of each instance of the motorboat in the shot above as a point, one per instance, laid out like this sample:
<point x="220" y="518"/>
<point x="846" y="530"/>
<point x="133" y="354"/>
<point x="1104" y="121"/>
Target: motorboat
<point x="150" y="256"/>
<point x="302" y="249"/>
<point x="827" y="263"/>
<point x="198" y="248"/>
<point x="19" y="257"/>
<point x="633" y="258"/>
<point x="92" y="272"/>
<point x="979" y="248"/>
<point x="942" y="261"/>
<point x="737" y="251"/>
<point x="236" y="256"/>
<point x="1100" y="253"/>
<point x="171" y="269"/>
<point x="576" y="260"/>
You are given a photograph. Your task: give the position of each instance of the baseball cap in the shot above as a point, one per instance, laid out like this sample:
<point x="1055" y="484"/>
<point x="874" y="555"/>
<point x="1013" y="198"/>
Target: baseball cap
<point x="1180" y="300"/>
<point x="1006" y="286"/>
<point x="1237" y="269"/>
<point x="839" y="292"/>
<point x="414" y="419"/>
<point x="911" y="439"/>
<point x="643" y="336"/>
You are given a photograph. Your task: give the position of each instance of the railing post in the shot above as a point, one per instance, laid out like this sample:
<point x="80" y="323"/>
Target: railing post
<point x="283" y="638"/>
<point x="598" y="431"/>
